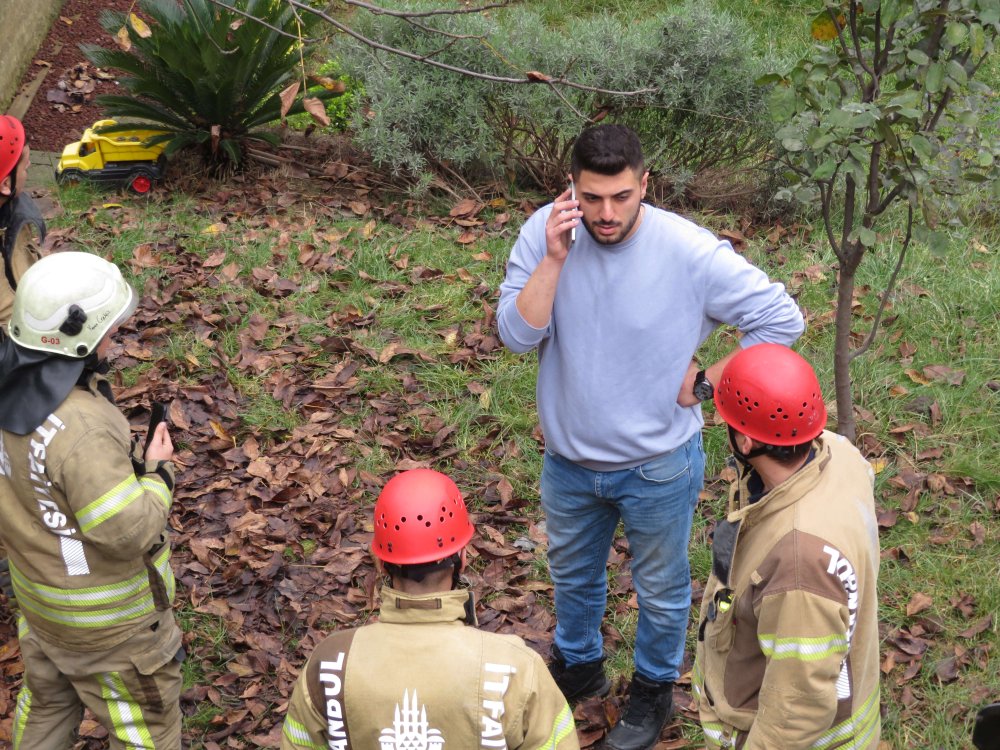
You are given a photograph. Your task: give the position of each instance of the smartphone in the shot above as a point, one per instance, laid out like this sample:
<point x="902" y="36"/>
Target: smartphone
<point x="572" y="197"/>
<point x="157" y="415"/>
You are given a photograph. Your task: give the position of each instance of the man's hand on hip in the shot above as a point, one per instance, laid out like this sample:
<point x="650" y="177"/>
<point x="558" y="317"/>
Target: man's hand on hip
<point x="686" y="396"/>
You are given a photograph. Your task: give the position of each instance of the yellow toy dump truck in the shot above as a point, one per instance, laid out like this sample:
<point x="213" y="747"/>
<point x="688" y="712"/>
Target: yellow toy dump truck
<point x="113" y="157"/>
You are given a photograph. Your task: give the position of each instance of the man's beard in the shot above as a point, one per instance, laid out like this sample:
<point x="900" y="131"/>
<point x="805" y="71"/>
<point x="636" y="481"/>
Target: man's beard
<point x="615" y="238"/>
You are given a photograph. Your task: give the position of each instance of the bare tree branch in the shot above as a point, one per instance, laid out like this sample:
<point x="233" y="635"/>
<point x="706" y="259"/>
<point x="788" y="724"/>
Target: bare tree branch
<point x="374" y="44"/>
<point x="431" y="30"/>
<point x="262" y="22"/>
<point x="870" y="339"/>
<point x="380" y="11"/>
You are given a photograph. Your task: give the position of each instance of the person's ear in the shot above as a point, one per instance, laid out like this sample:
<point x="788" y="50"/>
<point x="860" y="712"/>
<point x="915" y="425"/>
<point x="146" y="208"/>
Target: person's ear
<point x="5" y="186"/>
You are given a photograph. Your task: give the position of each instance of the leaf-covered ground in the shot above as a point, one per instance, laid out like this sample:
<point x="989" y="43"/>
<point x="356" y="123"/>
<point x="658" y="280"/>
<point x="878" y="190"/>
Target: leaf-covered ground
<point x="311" y="338"/>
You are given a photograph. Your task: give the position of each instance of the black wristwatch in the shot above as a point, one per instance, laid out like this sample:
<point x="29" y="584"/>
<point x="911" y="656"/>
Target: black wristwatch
<point x="703" y="388"/>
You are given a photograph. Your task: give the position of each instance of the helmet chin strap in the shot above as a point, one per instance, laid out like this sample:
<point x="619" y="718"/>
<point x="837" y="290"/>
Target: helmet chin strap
<point x="744" y="458"/>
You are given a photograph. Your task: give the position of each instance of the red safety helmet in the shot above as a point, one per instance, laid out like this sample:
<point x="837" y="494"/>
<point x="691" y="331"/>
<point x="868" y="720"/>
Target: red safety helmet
<point x="11" y="144"/>
<point x="771" y="394"/>
<point x="420" y="517"/>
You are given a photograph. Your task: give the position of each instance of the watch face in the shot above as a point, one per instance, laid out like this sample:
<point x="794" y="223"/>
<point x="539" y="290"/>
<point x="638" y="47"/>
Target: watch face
<point x="703" y="390"/>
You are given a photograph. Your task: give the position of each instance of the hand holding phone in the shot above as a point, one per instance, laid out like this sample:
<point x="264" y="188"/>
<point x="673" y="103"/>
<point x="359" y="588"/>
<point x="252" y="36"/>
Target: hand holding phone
<point x="572" y="197"/>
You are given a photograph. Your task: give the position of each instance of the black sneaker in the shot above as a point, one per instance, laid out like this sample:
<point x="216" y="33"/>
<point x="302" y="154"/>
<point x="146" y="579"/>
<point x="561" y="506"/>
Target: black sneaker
<point x="578" y="681"/>
<point x="650" y="705"/>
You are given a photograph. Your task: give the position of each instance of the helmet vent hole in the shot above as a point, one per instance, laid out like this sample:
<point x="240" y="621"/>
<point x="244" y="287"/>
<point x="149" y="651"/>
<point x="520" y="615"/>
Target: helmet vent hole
<point x="420" y="518"/>
<point x="427" y="524"/>
<point x="778" y="410"/>
<point x="440" y="542"/>
<point x="795" y="431"/>
<point x="801" y="413"/>
<point x="402" y="519"/>
<point x="444" y="509"/>
<point x="756" y="403"/>
<point x="397" y="527"/>
<point x="389" y="546"/>
<point x="441" y="520"/>
<point x="784" y="416"/>
<point x="451" y="514"/>
<point x="453" y="539"/>
<point x="81" y="350"/>
<point x="804" y="404"/>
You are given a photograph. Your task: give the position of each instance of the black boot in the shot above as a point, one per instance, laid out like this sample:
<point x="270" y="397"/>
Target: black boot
<point x="578" y="681"/>
<point x="649" y="707"/>
<point x="5" y="583"/>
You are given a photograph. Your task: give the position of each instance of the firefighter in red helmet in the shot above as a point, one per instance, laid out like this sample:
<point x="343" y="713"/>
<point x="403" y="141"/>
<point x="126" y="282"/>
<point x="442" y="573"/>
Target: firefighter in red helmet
<point x="21" y="225"/>
<point x="787" y="652"/>
<point x="420" y="677"/>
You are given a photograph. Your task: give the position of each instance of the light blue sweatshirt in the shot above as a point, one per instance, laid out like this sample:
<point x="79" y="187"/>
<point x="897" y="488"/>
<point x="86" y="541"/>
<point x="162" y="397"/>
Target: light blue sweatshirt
<point x="626" y="321"/>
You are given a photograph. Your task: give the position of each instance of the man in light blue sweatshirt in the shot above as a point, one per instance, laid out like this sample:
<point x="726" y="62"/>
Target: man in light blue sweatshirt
<point x="618" y="315"/>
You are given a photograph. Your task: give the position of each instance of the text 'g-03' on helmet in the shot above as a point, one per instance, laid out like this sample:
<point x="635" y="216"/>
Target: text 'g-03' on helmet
<point x="67" y="302"/>
<point x="771" y="394"/>
<point x="11" y="144"/>
<point x="420" y="517"/>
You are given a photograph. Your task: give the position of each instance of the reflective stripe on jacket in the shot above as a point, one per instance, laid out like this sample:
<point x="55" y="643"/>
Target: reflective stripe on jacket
<point x="421" y="678"/>
<point x="90" y="563"/>
<point x="787" y="653"/>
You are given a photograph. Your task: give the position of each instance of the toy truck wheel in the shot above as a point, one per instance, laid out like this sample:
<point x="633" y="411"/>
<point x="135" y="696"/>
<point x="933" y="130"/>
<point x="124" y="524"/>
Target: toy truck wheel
<point x="69" y="176"/>
<point x="141" y="182"/>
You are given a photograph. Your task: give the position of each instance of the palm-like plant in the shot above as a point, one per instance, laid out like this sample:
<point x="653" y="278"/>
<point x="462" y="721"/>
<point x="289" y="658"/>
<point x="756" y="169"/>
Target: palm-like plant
<point x="205" y="74"/>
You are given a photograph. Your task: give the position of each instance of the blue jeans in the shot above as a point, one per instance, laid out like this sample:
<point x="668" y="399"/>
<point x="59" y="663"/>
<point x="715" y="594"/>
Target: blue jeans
<point x="655" y="501"/>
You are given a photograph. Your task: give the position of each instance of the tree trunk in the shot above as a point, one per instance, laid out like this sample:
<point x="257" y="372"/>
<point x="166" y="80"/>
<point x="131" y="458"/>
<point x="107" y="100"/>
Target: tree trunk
<point x="846" y="423"/>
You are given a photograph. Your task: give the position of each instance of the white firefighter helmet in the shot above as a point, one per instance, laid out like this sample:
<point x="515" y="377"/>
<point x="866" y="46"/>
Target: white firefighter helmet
<point x="67" y="302"/>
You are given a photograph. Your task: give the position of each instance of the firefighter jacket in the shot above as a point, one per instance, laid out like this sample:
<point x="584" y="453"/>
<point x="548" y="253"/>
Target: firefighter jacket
<point x="787" y="653"/>
<point x="19" y="224"/>
<point x="84" y="525"/>
<point x="420" y="678"/>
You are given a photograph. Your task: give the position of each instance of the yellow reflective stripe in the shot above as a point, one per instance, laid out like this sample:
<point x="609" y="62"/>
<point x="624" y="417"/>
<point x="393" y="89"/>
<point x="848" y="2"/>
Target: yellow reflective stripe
<point x="22" y="626"/>
<point x="715" y="735"/>
<point x="21" y="714"/>
<point x="92" y="619"/>
<point x="153" y="483"/>
<point x="297" y="734"/>
<point x="561" y="728"/>
<point x="805" y="649"/>
<point x="857" y="730"/>
<point x="110" y="503"/>
<point x="697" y="679"/>
<point x="127" y="721"/>
<point x="85" y="597"/>
<point x="162" y="564"/>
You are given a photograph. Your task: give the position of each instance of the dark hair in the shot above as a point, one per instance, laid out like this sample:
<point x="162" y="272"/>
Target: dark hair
<point x="607" y="150"/>
<point x="420" y="571"/>
<point x="788" y="454"/>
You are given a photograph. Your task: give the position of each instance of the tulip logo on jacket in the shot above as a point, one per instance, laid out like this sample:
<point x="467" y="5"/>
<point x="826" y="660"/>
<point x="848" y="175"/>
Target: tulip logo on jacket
<point x="410" y="729"/>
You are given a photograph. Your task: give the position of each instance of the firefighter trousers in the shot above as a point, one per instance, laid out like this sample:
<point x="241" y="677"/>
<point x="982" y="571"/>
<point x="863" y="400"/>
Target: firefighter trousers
<point x="133" y="689"/>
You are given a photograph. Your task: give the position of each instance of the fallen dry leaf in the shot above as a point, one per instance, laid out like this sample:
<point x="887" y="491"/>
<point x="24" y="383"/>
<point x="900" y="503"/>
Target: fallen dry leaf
<point x="918" y="603"/>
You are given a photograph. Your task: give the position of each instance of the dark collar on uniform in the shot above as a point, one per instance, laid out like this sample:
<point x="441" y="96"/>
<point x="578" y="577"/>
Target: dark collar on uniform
<point x="32" y="385"/>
